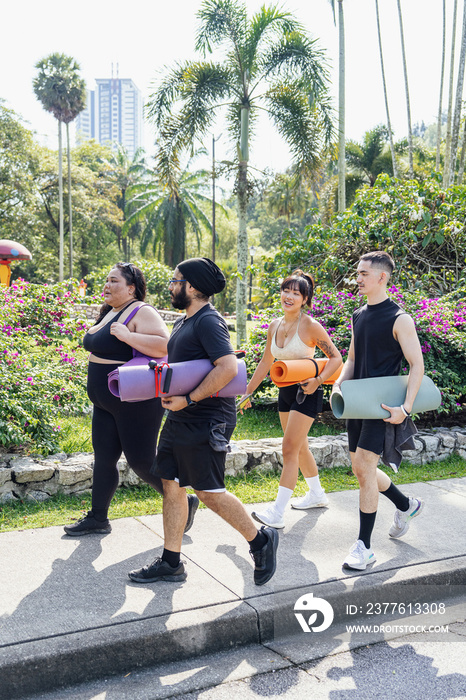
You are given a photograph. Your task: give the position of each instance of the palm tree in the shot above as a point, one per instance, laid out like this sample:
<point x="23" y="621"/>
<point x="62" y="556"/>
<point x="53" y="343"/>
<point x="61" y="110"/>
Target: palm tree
<point x="125" y="172"/>
<point x="455" y="132"/>
<point x="286" y="197"/>
<point x="341" y="105"/>
<point x="166" y="204"/>
<point x="390" y="133"/>
<point x="269" y="64"/>
<point x="408" y="106"/>
<point x="442" y="75"/>
<point x="446" y="167"/>
<point x="369" y="159"/>
<point x="63" y="92"/>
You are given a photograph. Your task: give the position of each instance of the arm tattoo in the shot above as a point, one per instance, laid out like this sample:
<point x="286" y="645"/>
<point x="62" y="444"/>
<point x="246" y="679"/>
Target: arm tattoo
<point x="326" y="348"/>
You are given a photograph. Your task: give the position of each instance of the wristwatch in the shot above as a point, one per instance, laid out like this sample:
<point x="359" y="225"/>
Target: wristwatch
<point x="190" y="401"/>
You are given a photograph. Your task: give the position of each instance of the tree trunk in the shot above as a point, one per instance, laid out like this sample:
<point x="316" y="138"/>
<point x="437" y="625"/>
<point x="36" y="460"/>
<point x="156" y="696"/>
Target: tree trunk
<point x="341" y="110"/>
<point x="390" y="135"/>
<point x="408" y="106"/>
<point x="462" y="158"/>
<point x="442" y="75"/>
<point x="70" y="213"/>
<point x="60" y="203"/>
<point x="455" y="132"/>
<point x="242" y="243"/>
<point x="446" y="165"/>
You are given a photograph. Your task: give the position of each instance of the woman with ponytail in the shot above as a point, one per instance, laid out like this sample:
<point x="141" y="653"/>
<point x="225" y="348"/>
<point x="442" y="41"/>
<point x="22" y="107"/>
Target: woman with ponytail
<point x="294" y="336"/>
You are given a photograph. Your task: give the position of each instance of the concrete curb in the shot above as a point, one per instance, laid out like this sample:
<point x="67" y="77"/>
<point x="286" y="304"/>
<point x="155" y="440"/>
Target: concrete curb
<point x="69" y="659"/>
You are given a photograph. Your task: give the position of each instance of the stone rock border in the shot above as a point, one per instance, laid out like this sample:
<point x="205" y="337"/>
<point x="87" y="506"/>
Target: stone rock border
<point x="37" y="479"/>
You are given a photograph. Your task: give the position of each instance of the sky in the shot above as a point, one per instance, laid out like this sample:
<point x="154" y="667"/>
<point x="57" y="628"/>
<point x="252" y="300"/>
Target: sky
<point x="144" y="36"/>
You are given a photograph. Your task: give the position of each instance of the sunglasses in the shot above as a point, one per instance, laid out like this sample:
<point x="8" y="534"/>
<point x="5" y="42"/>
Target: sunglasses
<point x="174" y="281"/>
<point x="128" y="265"/>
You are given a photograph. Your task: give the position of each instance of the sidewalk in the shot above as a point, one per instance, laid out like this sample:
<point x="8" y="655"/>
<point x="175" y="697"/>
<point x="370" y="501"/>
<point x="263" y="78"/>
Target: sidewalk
<point x="69" y="613"/>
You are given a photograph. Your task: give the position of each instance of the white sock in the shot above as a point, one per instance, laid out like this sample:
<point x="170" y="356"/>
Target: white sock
<point x="314" y="483"/>
<point x="283" y="496"/>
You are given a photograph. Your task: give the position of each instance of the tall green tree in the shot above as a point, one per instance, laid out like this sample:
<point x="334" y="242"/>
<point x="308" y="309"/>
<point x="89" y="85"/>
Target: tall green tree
<point x="455" y="132"/>
<point x="125" y="173"/>
<point x="341" y="105"/>
<point x="61" y="90"/>
<point x="442" y="77"/>
<point x="287" y="197"/>
<point x="446" y="167"/>
<point x="408" y="104"/>
<point x="370" y="158"/>
<point x="165" y="204"/>
<point x="385" y="93"/>
<point x="267" y="62"/>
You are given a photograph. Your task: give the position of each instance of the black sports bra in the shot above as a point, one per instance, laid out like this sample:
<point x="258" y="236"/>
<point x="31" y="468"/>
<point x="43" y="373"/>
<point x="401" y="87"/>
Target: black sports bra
<point x="107" y="346"/>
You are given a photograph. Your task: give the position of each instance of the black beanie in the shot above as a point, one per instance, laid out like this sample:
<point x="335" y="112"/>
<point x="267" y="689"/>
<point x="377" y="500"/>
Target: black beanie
<point x="203" y="274"/>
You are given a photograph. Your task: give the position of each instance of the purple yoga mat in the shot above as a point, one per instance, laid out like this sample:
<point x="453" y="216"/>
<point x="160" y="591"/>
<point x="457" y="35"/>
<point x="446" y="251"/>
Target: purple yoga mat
<point x="136" y="381"/>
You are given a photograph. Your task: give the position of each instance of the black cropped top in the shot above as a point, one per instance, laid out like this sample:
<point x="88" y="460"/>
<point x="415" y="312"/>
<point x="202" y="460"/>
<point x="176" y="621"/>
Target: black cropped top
<point x="106" y="346"/>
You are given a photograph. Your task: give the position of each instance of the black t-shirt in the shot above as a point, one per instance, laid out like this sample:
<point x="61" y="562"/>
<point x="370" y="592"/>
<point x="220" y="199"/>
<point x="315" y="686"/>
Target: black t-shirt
<point x="376" y="352"/>
<point x="199" y="337"/>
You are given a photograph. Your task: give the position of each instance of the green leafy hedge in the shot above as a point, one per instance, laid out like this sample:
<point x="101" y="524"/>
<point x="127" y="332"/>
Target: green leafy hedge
<point x="421" y="224"/>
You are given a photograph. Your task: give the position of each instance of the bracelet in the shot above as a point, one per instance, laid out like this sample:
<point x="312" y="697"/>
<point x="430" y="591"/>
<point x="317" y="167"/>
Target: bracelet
<point x="405" y="412"/>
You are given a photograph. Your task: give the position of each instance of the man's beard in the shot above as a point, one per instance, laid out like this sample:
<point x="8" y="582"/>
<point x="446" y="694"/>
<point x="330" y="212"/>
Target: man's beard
<point x="180" y="300"/>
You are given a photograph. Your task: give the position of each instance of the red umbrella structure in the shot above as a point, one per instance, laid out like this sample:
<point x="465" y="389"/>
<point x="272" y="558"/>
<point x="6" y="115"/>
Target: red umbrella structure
<point x="10" y="251"/>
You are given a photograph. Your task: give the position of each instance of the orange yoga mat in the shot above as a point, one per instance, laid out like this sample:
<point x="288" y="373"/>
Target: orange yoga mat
<point x="288" y="372"/>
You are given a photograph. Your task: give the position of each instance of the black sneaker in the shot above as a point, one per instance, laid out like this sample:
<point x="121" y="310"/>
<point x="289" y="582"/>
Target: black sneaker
<point x="193" y="503"/>
<point x="87" y="525"/>
<point x="265" y="559"/>
<point x="159" y="570"/>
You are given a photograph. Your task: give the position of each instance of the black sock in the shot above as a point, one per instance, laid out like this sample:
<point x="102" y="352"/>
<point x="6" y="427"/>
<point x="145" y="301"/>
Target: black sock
<point x="172" y="558"/>
<point x="399" y="499"/>
<point x="258" y="542"/>
<point x="100" y="514"/>
<point x="366" y="525"/>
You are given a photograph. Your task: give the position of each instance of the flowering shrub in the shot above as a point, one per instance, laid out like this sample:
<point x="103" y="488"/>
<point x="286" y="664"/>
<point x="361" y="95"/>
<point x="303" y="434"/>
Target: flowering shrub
<point x="440" y="323"/>
<point x="42" y="367"/>
<point x="421" y="224"/>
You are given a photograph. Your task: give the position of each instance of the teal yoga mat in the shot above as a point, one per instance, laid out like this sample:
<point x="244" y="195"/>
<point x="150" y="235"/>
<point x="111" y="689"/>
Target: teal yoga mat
<point x="361" y="398"/>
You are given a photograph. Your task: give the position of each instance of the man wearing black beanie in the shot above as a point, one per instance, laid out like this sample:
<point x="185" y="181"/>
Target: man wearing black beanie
<point x="195" y="438"/>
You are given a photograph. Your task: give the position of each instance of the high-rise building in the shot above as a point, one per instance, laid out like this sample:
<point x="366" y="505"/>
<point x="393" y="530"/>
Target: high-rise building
<point x="113" y="115"/>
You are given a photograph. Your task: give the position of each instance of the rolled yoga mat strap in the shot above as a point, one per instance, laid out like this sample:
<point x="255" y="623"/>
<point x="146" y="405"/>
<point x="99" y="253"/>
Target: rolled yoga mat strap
<point x="288" y="372"/>
<point x="362" y="398"/>
<point x="142" y="382"/>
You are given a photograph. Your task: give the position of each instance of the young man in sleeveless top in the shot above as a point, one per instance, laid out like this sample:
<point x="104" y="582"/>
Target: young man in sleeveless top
<point x="382" y="334"/>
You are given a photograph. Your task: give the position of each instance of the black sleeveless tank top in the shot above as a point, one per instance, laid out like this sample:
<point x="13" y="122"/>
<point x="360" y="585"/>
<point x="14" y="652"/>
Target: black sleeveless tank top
<point x="376" y="352"/>
<point x="106" y="346"/>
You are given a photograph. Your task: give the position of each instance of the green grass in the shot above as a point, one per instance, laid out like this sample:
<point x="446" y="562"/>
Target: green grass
<point x="252" y="488"/>
<point x="254" y="424"/>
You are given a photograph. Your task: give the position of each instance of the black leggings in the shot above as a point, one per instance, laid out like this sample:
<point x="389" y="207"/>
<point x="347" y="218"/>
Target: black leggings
<point x="120" y="426"/>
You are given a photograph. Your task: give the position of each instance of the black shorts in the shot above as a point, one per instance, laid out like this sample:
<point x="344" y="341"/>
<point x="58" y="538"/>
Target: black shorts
<point x="311" y="406"/>
<point x="366" y="434"/>
<point x="193" y="454"/>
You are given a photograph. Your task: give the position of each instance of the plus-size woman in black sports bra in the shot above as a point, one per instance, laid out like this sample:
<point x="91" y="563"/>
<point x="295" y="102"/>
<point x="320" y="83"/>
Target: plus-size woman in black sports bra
<point x="119" y="426"/>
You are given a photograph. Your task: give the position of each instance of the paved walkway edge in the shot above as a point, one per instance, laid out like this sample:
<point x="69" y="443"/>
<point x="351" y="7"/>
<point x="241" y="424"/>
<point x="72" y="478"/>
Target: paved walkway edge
<point x="63" y="660"/>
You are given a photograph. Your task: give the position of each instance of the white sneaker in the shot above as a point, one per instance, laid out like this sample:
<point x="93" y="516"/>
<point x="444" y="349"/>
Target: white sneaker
<point x="402" y="519"/>
<point x="270" y="517"/>
<point x="310" y="500"/>
<point x="359" y="557"/>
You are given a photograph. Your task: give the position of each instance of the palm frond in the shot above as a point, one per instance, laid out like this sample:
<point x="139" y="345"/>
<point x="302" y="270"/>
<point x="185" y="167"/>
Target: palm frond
<point x="267" y="26"/>
<point x="220" y="21"/>
<point x="298" y="124"/>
